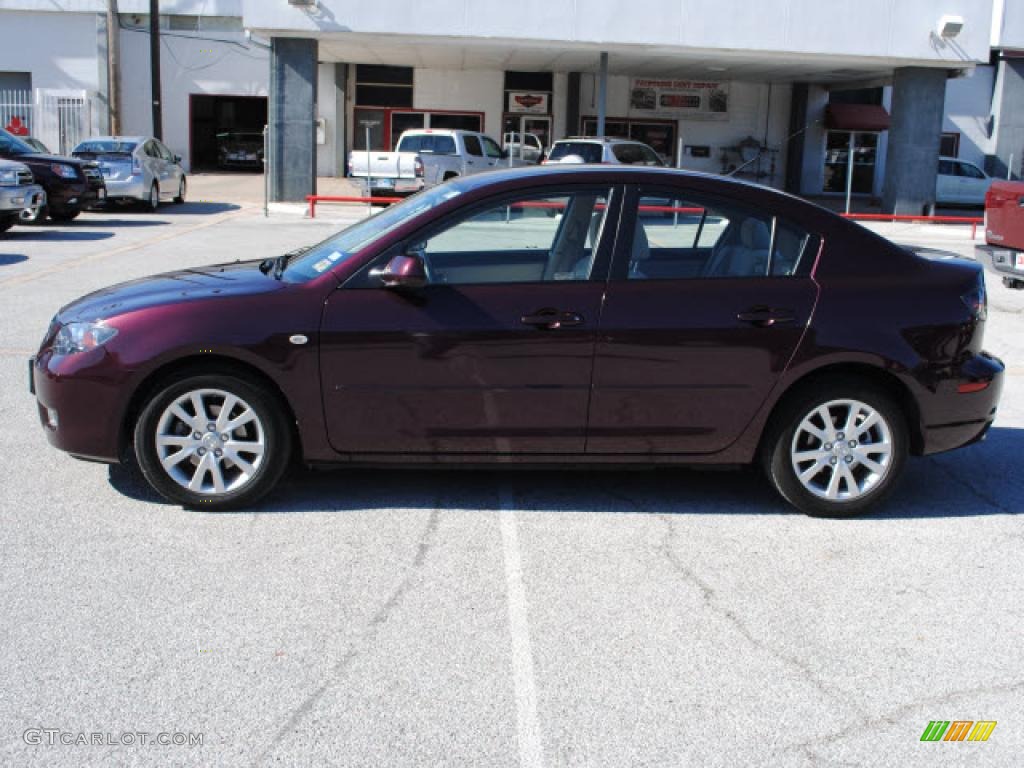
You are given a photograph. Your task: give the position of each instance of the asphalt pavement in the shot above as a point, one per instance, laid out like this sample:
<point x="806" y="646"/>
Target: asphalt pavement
<point x="559" y="618"/>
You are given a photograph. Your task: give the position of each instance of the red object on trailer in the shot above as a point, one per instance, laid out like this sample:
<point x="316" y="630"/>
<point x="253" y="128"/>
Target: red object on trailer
<point x="1003" y="252"/>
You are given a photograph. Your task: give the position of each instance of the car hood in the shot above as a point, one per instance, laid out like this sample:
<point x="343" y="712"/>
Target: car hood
<point x="240" y="278"/>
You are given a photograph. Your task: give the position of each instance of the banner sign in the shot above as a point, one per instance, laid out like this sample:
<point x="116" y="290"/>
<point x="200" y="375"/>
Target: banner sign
<point x="695" y="99"/>
<point x="528" y="102"/>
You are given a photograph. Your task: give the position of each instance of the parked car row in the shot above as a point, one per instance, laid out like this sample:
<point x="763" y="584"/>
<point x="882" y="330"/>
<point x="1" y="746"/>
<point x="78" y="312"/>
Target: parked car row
<point x="100" y="172"/>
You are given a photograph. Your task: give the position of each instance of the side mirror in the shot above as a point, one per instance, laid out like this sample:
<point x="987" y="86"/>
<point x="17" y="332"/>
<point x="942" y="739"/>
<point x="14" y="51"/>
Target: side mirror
<point x="406" y="270"/>
<point x="177" y="159"/>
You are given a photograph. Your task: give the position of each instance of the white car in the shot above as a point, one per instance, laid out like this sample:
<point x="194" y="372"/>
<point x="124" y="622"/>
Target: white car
<point x="136" y="168"/>
<point x="425" y="157"/>
<point x="960" y="182"/>
<point x="608" y="151"/>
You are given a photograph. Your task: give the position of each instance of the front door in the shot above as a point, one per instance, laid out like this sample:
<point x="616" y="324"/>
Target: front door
<point x="702" y="315"/>
<point x="495" y="354"/>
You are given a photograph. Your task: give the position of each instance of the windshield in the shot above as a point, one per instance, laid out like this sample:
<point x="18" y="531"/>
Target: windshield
<point x="111" y="147"/>
<point x="12" y="145"/>
<point x="342" y="246"/>
<point x="590" y="152"/>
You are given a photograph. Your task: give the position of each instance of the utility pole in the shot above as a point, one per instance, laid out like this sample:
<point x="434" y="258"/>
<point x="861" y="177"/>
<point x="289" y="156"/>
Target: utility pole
<point x="154" y="66"/>
<point x="114" y="67"/>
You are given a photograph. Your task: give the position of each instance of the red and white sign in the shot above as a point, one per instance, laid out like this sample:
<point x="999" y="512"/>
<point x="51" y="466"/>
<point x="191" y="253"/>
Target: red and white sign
<point x="701" y="99"/>
<point x="529" y="102"/>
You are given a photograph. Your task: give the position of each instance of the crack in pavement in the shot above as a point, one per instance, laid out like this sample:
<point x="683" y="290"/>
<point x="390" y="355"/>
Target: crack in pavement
<point x="895" y="716"/>
<point x="666" y="549"/>
<point x="379" y="619"/>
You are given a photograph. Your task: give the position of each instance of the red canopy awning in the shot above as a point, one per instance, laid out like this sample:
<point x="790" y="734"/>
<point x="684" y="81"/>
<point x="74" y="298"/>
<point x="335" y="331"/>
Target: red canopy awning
<point x="856" y="117"/>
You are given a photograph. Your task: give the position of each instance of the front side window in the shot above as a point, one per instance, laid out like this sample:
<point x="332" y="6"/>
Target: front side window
<point x="490" y="147"/>
<point x="540" y="237"/>
<point x="969" y="171"/>
<point x="678" y="238"/>
<point x="472" y="145"/>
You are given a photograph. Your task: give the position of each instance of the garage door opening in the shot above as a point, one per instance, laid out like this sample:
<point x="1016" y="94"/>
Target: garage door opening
<point x="227" y="132"/>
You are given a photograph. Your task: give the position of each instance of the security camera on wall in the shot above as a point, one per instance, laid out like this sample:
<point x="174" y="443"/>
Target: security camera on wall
<point x="949" y="26"/>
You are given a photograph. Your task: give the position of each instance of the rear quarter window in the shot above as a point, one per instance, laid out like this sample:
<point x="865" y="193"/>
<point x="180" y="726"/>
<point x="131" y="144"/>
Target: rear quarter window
<point x="589" y="151"/>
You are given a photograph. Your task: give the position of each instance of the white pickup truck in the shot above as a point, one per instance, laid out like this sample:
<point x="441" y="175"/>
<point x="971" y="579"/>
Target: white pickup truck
<point x="425" y="157"/>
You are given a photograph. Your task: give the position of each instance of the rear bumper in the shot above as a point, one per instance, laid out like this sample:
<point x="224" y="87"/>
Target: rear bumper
<point x="960" y="411"/>
<point x="1000" y="260"/>
<point x="133" y="187"/>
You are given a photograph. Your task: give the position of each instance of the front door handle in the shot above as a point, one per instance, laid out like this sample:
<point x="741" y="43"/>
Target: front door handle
<point x="552" y="319"/>
<point x="765" y="317"/>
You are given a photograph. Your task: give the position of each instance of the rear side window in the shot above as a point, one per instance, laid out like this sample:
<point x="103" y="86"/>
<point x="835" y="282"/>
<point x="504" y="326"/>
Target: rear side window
<point x="589" y="151"/>
<point x="473" y="145"/>
<point x="680" y="238"/>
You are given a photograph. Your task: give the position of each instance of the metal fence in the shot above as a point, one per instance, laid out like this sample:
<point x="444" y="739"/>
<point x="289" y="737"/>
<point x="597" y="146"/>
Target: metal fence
<point x="60" y="119"/>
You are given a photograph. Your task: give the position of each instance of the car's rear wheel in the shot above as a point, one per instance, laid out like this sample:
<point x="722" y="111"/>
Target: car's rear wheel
<point x="837" y="450"/>
<point x="152" y="202"/>
<point x="212" y="441"/>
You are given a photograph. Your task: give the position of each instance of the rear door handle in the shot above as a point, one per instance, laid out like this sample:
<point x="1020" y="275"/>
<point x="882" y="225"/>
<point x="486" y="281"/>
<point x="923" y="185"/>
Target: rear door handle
<point x="552" y="319"/>
<point x="765" y="317"/>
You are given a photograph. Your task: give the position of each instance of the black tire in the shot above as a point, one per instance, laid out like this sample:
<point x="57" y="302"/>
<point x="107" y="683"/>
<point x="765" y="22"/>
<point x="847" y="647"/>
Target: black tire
<point x="180" y="198"/>
<point x="277" y="439"/>
<point x="450" y="175"/>
<point x="5" y="225"/>
<point x="778" y="448"/>
<point x="41" y="214"/>
<point x="152" y="202"/>
<point x="62" y="216"/>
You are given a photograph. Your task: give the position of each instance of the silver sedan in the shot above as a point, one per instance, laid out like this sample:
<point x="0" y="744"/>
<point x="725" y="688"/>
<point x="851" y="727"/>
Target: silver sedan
<point x="136" y="168"/>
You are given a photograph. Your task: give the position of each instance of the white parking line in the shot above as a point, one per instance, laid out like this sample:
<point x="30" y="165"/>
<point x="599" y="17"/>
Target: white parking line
<point x="530" y="753"/>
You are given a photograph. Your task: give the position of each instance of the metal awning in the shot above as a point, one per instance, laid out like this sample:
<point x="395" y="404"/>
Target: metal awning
<point x="856" y="117"/>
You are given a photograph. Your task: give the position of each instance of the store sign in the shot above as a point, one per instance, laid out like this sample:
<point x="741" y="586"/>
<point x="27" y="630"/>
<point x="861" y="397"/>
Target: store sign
<point x="694" y="99"/>
<point x="528" y="102"/>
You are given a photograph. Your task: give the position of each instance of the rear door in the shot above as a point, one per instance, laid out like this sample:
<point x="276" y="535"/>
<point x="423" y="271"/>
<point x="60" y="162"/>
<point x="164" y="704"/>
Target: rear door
<point x="495" y="354"/>
<point x="704" y="310"/>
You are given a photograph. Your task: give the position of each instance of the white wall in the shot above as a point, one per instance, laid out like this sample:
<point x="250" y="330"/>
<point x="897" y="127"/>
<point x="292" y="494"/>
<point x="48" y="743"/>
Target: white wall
<point x="59" y="49"/>
<point x="187" y="65"/>
<point x="883" y="28"/>
<point x="968" y="106"/>
<point x="471" y="90"/>
<point x="1008" y="31"/>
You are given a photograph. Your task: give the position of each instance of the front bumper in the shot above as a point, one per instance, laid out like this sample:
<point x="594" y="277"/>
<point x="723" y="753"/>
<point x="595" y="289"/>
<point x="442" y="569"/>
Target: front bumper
<point x="76" y="195"/>
<point x="23" y="198"/>
<point x="80" y="402"/>
<point x="961" y="409"/>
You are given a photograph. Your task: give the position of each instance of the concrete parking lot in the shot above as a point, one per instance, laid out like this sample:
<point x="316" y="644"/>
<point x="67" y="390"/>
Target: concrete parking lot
<point x="370" y="618"/>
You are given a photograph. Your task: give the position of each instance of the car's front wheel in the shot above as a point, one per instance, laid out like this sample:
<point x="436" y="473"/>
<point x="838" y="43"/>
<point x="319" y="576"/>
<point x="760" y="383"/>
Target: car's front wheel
<point x="838" y="449"/>
<point x="180" y="197"/>
<point x="212" y="441"/>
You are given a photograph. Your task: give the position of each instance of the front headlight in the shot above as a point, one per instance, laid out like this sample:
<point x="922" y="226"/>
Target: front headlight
<point x="81" y="337"/>
<point x="64" y="171"/>
<point x="9" y="178"/>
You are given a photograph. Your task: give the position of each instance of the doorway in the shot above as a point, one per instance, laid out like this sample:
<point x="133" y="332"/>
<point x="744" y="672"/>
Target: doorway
<point x="226" y="132"/>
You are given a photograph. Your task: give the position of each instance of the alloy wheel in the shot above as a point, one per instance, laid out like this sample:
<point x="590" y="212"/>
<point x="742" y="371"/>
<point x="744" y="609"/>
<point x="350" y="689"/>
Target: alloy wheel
<point x="210" y="441"/>
<point x="842" y="450"/>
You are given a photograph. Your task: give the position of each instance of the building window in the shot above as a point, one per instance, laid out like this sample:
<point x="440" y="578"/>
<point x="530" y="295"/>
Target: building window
<point x="837" y="161"/>
<point x="382" y="86"/>
<point x="949" y="146"/>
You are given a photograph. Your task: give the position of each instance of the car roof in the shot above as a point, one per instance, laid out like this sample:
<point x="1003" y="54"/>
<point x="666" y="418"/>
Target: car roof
<point x="139" y="139"/>
<point x="600" y="140"/>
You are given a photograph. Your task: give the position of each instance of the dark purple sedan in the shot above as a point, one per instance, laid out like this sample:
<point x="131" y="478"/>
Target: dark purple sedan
<point x="584" y="315"/>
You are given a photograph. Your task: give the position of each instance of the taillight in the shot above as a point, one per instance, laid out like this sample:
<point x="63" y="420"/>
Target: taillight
<point x="136" y="166"/>
<point x="350" y="165"/>
<point x="417" y="166"/>
<point x="977" y="300"/>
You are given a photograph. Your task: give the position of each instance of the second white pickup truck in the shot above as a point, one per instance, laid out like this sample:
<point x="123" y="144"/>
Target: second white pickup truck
<point x="426" y="157"/>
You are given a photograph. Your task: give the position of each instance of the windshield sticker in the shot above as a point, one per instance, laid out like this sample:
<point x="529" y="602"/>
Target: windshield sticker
<point x="321" y="265"/>
<point x="334" y="256"/>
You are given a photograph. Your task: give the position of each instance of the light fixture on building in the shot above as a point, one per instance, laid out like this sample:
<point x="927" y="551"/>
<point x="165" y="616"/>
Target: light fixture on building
<point x="304" y="3"/>
<point x="950" y="26"/>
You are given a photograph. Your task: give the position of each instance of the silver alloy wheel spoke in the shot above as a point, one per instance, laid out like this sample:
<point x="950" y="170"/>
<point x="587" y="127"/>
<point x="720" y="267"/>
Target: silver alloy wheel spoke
<point x="841" y="450"/>
<point x="210" y="441"/>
